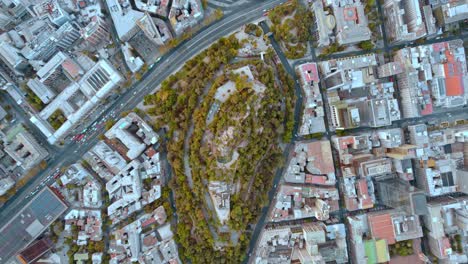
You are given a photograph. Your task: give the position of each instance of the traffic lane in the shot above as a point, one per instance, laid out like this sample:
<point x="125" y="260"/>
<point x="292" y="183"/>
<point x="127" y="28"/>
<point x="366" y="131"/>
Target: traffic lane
<point x="182" y="57"/>
<point x="297" y="113"/>
<point x="19" y="202"/>
<point x="157" y="73"/>
<point x="178" y="59"/>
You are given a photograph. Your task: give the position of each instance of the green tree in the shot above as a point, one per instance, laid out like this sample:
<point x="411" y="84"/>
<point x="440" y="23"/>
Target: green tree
<point x="366" y="45"/>
<point x="109" y="124"/>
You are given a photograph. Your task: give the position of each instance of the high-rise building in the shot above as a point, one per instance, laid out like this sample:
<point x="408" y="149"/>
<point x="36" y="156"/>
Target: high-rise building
<point x="52" y="10"/>
<point x="454" y="11"/>
<point x="403" y="20"/>
<point x="12" y="58"/>
<point x="351" y="22"/>
<point x="370" y="112"/>
<point x="42" y="40"/>
<point x="432" y="77"/>
<point x="446" y="216"/>
<point x="11" y="11"/>
<point x="66" y="35"/>
<point x="5" y="19"/>
<point x="96" y="31"/>
<point x="399" y="194"/>
<point x="149" y="28"/>
<point x="41" y="46"/>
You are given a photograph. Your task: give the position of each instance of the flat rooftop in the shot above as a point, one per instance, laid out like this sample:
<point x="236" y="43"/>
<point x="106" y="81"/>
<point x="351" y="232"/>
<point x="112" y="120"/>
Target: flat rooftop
<point x="29" y="223"/>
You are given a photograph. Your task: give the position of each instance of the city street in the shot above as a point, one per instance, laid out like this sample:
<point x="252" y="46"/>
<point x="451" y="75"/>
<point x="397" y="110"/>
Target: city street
<point x="237" y="14"/>
<point x="454" y="114"/>
<point x="172" y="61"/>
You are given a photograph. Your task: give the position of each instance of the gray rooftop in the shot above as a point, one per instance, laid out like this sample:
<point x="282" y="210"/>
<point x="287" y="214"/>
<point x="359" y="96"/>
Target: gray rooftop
<point x="29" y="223"/>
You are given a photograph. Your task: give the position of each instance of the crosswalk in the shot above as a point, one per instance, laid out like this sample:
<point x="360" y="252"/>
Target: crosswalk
<point x="226" y="5"/>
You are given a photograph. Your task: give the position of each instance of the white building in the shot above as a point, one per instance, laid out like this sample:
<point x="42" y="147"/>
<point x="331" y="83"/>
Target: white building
<point x="124" y="18"/>
<point x="136" y="141"/>
<point x="125" y="189"/>
<point x="6" y="184"/>
<point x="93" y="87"/>
<point x="92" y="194"/>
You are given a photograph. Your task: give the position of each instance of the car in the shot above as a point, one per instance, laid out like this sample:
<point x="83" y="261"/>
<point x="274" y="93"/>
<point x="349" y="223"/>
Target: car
<point x="444" y="124"/>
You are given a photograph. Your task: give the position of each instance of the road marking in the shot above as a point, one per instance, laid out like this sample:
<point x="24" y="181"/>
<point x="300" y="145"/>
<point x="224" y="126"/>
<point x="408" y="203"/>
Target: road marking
<point x="146" y="84"/>
<point x="232" y="19"/>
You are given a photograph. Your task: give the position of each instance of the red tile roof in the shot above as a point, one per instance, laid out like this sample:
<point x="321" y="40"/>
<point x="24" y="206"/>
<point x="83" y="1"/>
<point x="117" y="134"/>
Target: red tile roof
<point x="381" y="227"/>
<point x="367" y="203"/>
<point x="350" y="14"/>
<point x="71" y="67"/>
<point x="351" y="204"/>
<point x="364" y="197"/>
<point x="439" y="46"/>
<point x="35" y="250"/>
<point x="413" y="259"/>
<point x="148" y="222"/>
<point x="150" y="152"/>
<point x="309" y="70"/>
<point x="428" y="108"/>
<point x="150" y="240"/>
<point x="313" y="179"/>
<point x="362" y="187"/>
<point x="323" y="161"/>
<point x="345" y="141"/>
<point x="453" y="76"/>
